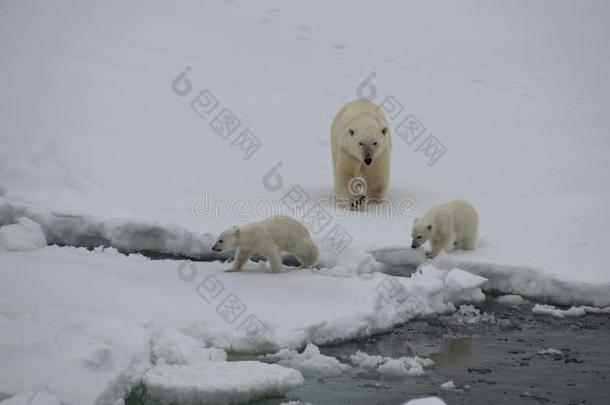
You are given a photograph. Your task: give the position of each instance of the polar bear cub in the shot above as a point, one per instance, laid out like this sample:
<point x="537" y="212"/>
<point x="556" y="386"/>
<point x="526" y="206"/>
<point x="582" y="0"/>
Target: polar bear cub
<point x="453" y="225"/>
<point x="360" y="146"/>
<point x="269" y="238"/>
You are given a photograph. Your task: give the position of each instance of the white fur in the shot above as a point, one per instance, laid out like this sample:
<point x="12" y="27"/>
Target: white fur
<point x="449" y="226"/>
<point x="356" y="133"/>
<point x="269" y="238"/>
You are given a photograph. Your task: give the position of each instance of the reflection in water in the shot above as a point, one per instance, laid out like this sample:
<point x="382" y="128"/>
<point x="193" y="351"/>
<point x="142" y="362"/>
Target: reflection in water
<point x="454" y="354"/>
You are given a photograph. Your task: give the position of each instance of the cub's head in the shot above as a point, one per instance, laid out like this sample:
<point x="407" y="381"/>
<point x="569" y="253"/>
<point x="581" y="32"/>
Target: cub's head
<point x="365" y="140"/>
<point x="420" y="232"/>
<point x="227" y="240"/>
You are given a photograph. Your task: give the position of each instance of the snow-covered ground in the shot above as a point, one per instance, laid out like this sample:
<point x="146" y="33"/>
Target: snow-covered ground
<point x="108" y="137"/>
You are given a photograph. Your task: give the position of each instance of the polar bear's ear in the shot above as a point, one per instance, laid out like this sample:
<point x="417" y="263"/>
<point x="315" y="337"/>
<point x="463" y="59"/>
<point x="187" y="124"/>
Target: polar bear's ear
<point x="351" y="131"/>
<point x="384" y="130"/>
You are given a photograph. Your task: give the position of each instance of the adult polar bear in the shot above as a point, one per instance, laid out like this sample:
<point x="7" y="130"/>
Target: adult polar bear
<point x="361" y="146"/>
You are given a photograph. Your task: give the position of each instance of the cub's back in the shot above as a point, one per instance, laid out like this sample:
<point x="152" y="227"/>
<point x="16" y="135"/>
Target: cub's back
<point x="461" y="212"/>
<point x="285" y="231"/>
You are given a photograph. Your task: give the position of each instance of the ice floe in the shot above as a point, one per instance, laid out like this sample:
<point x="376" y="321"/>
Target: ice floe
<point x="540" y="309"/>
<point x="219" y="382"/>
<point x="391" y="367"/>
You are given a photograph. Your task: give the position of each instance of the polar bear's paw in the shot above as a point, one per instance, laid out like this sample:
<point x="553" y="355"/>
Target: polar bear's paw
<point x="232" y="270"/>
<point x="358" y="202"/>
<point x="431" y="254"/>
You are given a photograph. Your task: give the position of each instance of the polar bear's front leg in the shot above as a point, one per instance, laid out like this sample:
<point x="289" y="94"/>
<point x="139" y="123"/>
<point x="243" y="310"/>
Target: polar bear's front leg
<point x="273" y="254"/>
<point x="377" y="176"/>
<point x="241" y="257"/>
<point x="350" y="186"/>
<point x="431" y="254"/>
<point x="445" y="243"/>
<point x="347" y="199"/>
<point x="357" y="202"/>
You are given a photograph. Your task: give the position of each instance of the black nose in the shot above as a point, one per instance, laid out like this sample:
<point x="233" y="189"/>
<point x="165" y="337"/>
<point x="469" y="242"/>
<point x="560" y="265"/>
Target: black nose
<point x="368" y="161"/>
<point x="413" y="246"/>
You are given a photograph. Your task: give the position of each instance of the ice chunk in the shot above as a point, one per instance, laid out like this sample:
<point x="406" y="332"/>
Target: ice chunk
<point x="596" y="310"/>
<point x="391" y="367"/>
<point x="570" y="312"/>
<point x="449" y="385"/>
<point x="462" y="286"/>
<point x="366" y="361"/>
<point x="220" y="382"/>
<point x="309" y="362"/>
<point x="172" y="347"/>
<point x="459" y="286"/>
<point x="550" y="352"/>
<point x="516" y="279"/>
<point x="23" y="235"/>
<point x="470" y="315"/>
<point x="81" y="362"/>
<point x="352" y="261"/>
<point x="556" y="312"/>
<point x="459" y="279"/>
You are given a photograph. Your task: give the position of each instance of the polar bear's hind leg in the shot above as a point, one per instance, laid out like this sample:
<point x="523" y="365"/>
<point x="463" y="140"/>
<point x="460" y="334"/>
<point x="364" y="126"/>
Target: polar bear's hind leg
<point x="469" y="243"/>
<point x="307" y="253"/>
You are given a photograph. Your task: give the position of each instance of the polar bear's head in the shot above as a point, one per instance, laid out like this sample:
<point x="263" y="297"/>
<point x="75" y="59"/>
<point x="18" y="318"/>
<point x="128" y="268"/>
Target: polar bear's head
<point x="420" y="232"/>
<point x="227" y="240"/>
<point x="366" y="139"/>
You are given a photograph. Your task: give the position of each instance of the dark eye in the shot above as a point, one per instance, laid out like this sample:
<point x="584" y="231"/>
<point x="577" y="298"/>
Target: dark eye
<point x="419" y="237"/>
<point x="360" y="143"/>
<point x="220" y="241"/>
<point x="374" y="143"/>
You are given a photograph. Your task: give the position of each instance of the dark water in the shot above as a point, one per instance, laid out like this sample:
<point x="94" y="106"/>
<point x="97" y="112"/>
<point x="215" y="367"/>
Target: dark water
<point x="493" y="360"/>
